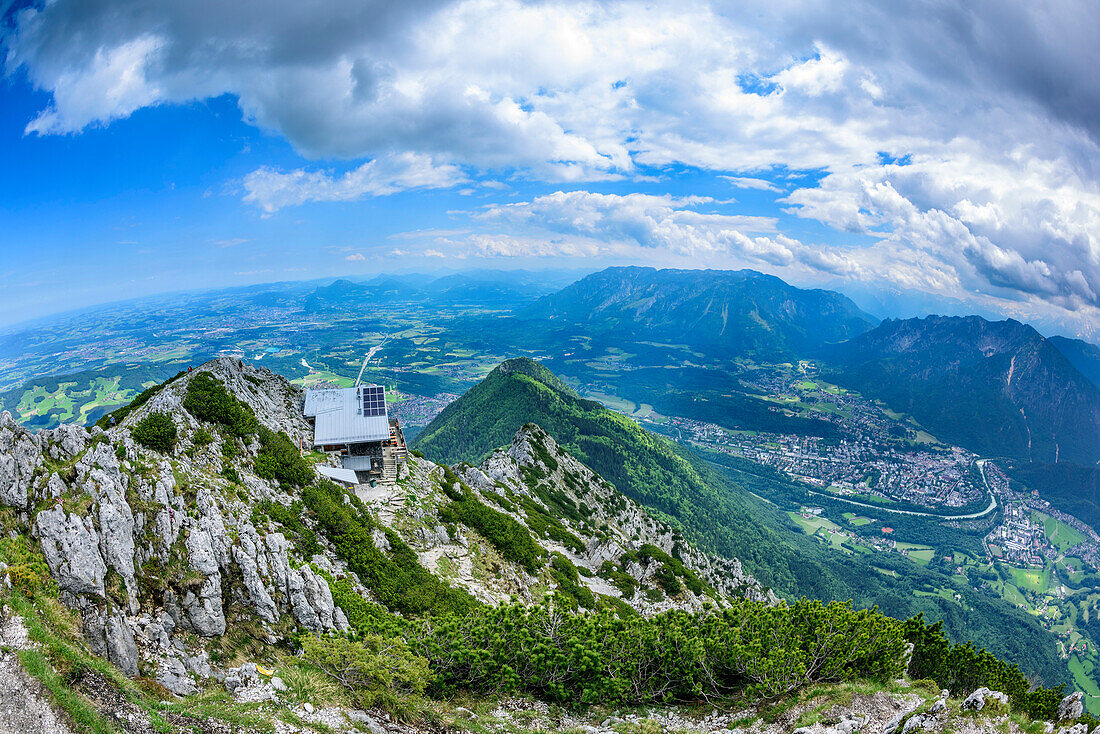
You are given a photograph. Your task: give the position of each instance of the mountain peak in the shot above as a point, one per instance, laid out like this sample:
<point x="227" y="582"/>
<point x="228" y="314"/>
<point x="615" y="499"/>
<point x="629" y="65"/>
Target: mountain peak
<point x="996" y="387"/>
<point x="736" y="313"/>
<point x="533" y="369"/>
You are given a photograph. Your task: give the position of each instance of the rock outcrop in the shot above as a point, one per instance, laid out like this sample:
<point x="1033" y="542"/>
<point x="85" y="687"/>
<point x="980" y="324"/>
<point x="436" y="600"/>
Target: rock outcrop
<point x="148" y="547"/>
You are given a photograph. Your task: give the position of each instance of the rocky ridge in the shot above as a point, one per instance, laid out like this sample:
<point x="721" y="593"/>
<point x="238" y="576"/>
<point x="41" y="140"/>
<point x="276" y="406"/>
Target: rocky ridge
<point x="165" y="558"/>
<point x="156" y="551"/>
<point x="163" y="555"/>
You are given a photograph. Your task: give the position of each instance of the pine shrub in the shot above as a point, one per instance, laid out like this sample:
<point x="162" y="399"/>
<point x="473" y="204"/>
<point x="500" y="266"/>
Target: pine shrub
<point x="155" y="431"/>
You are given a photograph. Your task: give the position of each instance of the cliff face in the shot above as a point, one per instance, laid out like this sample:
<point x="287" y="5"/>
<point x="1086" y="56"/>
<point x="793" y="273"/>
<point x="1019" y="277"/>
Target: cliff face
<point x="149" y="547"/>
<point x="165" y="555"/>
<point x="998" y="388"/>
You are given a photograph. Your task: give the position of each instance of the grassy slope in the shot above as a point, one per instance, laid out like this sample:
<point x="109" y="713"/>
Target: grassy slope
<point x="713" y="508"/>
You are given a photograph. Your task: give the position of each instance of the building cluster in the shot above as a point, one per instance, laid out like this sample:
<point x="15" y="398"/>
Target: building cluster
<point x="419" y="410"/>
<point x="853" y="465"/>
<point x="1019" y="539"/>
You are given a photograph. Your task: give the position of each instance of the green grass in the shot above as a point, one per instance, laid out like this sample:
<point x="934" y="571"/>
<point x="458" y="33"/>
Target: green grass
<point x="1084" y="683"/>
<point x="1061" y="536"/>
<point x="1031" y="579"/>
<point x="324" y="376"/>
<point x="83" y="715"/>
<point x="811" y="525"/>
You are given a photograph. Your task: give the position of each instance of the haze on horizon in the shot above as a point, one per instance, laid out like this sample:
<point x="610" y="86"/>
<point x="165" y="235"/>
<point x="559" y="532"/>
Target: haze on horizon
<point x="926" y="156"/>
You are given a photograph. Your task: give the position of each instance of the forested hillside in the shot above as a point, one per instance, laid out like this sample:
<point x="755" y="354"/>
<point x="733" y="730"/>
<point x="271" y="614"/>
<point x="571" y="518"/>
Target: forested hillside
<point x="715" y="507"/>
<point x="997" y="388"/>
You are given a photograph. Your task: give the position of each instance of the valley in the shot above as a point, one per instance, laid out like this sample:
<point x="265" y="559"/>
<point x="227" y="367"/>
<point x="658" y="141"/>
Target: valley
<point x="940" y="528"/>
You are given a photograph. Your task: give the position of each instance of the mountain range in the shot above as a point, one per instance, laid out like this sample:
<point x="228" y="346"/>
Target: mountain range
<point x="731" y="313"/>
<point x="185" y="564"/>
<point x="998" y="388"/>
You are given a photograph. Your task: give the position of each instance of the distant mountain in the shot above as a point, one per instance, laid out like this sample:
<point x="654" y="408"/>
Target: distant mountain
<point x="341" y="294"/>
<point x="1082" y="355"/>
<point x="488" y="288"/>
<point x="732" y="313"/>
<point x="996" y="387"/>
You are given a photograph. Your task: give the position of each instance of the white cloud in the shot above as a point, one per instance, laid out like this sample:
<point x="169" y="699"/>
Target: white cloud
<point x="993" y="226"/>
<point x="355" y="257"/>
<point x="111" y="85"/>
<point x="587" y="224"/>
<point x="743" y="182"/>
<point x="651" y="221"/>
<point x="994" y="102"/>
<point x="271" y="190"/>
<point x="231" y="241"/>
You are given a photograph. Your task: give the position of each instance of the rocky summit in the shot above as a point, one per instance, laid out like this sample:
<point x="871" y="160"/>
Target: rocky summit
<point x="187" y="554"/>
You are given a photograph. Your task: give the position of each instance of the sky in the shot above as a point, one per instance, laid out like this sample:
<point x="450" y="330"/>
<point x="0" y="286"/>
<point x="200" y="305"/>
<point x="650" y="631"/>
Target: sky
<point x="919" y="156"/>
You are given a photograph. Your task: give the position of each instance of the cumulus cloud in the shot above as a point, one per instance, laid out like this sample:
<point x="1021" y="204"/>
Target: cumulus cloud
<point x="991" y="104"/>
<point x="651" y="221"/>
<point x="271" y="190"/>
<point x="995" y="226"/>
<point x="587" y="224"/>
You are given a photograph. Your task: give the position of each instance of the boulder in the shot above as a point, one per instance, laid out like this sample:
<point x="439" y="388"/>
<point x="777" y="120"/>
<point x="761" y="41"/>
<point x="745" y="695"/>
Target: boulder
<point x="1071" y="707"/>
<point x="71" y="547"/>
<point x="241" y="677"/>
<point x="977" y="700"/>
<point x="173" y="675"/>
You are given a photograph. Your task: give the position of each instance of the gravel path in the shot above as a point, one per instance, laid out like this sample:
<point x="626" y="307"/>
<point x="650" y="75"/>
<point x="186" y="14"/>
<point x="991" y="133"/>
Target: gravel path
<point x="23" y="706"/>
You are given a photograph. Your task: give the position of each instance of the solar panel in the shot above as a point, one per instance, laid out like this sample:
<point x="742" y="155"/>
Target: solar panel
<point x="374" y="400"/>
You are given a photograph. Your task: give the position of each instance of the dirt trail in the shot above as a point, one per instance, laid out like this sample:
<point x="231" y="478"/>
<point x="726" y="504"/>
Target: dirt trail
<point x="23" y="706"/>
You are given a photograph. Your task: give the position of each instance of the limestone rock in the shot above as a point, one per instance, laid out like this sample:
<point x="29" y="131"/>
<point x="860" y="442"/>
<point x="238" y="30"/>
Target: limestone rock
<point x="977" y="700"/>
<point x="19" y="455"/>
<point x="71" y="547"/>
<point x="1071" y="707"/>
<point x="109" y="635"/>
<point x="173" y="675"/>
<point x="204" y="609"/>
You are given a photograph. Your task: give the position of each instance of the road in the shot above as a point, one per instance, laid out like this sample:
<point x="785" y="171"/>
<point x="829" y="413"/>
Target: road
<point x="370" y="354"/>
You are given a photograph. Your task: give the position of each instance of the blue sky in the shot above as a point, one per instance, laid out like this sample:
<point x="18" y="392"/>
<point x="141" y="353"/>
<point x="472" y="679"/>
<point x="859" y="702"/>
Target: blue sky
<point x="936" y="156"/>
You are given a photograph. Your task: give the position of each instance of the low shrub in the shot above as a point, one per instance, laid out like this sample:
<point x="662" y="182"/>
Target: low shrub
<point x="155" y="431"/>
<point x="503" y="532"/>
<point x="291" y="519"/>
<point x="25" y="578"/>
<point x="208" y="400"/>
<point x="673" y="656"/>
<point x="395" y="578"/>
<point x="280" y="459"/>
<point x="202" y="438"/>
<point x="961" y="668"/>
<point x="570" y="591"/>
<point x="377" y="671"/>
